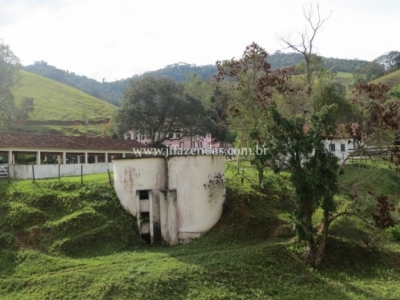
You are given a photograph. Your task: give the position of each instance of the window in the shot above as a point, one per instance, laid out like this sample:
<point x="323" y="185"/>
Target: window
<point x="141" y="137"/>
<point x="332" y="147"/>
<point x="178" y="135"/>
<point x="200" y="144"/>
<point x="135" y="136"/>
<point x="181" y="145"/>
<point x="343" y="147"/>
<point x="143" y="195"/>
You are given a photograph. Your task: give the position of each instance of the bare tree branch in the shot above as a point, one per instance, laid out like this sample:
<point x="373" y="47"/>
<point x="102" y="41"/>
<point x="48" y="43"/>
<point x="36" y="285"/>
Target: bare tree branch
<point x="305" y="47"/>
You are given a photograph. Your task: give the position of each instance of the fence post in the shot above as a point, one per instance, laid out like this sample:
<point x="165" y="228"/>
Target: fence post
<point x="59" y="173"/>
<point x="33" y="173"/>
<point x="109" y="177"/>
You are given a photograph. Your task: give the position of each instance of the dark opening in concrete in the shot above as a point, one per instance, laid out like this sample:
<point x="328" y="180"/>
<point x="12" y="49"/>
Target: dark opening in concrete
<point x="143" y="195"/>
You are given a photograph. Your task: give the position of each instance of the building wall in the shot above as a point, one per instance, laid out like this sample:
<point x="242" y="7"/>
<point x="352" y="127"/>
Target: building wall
<point x="340" y="147"/>
<point x="51" y="171"/>
<point x="141" y="138"/>
<point x="222" y="145"/>
<point x="185" y="142"/>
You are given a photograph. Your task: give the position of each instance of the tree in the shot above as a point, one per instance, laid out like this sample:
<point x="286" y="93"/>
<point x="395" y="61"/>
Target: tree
<point x="253" y="85"/>
<point x="198" y="88"/>
<point x="292" y="119"/>
<point x="306" y="44"/>
<point x="379" y="118"/>
<point x="27" y="107"/>
<point x="313" y="172"/>
<point x="219" y="103"/>
<point x="390" y="61"/>
<point x="9" y="66"/>
<point x="195" y="120"/>
<point x="372" y="71"/>
<point x="158" y="106"/>
<point x="327" y="92"/>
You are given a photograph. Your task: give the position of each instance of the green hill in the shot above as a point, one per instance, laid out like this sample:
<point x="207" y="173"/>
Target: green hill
<point x="113" y="91"/>
<point x="60" y="108"/>
<point x="64" y="240"/>
<point x="391" y="79"/>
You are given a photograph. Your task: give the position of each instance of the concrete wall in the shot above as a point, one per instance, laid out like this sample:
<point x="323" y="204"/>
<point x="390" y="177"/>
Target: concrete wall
<point x="200" y="185"/>
<point x="130" y="175"/>
<point x="51" y="171"/>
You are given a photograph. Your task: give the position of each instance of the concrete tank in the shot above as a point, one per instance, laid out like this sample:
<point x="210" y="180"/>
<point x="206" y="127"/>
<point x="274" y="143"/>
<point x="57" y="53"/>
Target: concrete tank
<point x="141" y="173"/>
<point x="200" y="186"/>
<point x="174" y="199"/>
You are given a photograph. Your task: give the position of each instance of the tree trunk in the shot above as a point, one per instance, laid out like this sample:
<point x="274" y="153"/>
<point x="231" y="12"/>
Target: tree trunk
<point x="312" y="245"/>
<point x="311" y="252"/>
<point x="314" y="252"/>
<point x="260" y="175"/>
<point x="322" y="242"/>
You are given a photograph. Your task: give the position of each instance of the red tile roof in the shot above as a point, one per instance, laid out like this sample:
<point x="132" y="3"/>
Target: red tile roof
<point x="42" y="141"/>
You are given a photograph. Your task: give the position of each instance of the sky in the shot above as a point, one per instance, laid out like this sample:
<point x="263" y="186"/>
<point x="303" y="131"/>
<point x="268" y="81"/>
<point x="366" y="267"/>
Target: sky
<point x="116" y="39"/>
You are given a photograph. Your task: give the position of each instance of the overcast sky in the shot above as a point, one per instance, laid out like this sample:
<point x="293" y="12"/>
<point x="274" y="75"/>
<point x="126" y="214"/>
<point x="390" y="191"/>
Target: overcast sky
<point x="115" y="39"/>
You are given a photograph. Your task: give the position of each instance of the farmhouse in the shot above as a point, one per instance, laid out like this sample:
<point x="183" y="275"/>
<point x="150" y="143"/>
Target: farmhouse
<point x="343" y="142"/>
<point x="50" y="151"/>
<point x="180" y="140"/>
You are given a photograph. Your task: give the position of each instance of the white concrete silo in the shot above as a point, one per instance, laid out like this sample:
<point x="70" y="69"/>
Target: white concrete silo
<point x="174" y="199"/>
<point x="200" y="187"/>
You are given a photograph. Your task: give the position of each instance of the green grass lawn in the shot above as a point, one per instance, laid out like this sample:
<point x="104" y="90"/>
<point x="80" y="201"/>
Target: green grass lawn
<point x="344" y="75"/>
<point x="75" y="242"/>
<point x="344" y="78"/>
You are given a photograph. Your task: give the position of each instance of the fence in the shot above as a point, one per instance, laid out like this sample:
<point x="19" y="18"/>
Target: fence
<point x="52" y="171"/>
<point x="3" y="172"/>
<point x="371" y="152"/>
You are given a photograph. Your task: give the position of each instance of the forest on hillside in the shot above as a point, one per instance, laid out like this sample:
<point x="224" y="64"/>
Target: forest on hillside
<point x="113" y="91"/>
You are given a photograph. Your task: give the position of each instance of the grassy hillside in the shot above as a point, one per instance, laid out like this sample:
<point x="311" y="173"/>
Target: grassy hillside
<point x="59" y="105"/>
<point x="64" y="218"/>
<point x="344" y="78"/>
<point x="391" y="79"/>
<point x="74" y="242"/>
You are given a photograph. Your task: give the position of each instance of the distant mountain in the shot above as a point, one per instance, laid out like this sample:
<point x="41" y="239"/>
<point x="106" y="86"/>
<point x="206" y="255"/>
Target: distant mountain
<point x="179" y="71"/>
<point x="113" y="91"/>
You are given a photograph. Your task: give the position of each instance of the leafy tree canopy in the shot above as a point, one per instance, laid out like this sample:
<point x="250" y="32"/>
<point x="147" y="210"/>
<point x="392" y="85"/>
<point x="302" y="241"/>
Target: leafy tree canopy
<point x="9" y="66"/>
<point x="390" y="61"/>
<point x="157" y="106"/>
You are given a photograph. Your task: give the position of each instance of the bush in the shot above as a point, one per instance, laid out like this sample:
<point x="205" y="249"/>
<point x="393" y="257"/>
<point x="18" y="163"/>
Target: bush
<point x="394" y="232"/>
